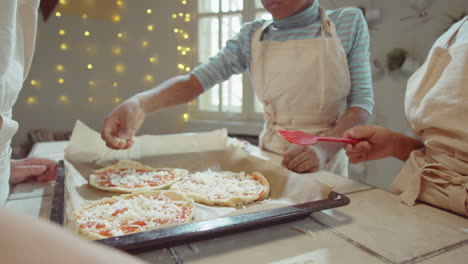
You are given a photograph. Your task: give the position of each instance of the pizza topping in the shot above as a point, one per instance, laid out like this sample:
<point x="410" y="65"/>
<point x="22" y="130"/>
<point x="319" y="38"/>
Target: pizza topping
<point x="133" y="214"/>
<point x="223" y="185"/>
<point x="132" y="178"/>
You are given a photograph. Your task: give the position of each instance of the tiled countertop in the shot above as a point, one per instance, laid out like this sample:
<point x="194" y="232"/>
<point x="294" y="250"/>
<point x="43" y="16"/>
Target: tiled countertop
<point x="374" y="228"/>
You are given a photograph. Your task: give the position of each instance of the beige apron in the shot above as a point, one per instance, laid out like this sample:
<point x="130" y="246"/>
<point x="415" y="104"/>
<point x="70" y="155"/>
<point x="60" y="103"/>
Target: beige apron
<point x="302" y="85"/>
<point x="437" y="109"/>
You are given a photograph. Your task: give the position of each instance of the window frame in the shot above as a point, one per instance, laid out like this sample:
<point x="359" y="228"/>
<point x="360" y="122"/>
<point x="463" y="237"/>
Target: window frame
<point x="247" y="114"/>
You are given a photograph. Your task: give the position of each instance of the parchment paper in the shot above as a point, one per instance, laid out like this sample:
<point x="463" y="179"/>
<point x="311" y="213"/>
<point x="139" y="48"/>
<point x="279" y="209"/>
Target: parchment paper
<point x="87" y="152"/>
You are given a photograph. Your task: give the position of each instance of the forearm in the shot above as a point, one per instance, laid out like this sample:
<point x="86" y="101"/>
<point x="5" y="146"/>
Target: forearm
<point x="354" y="116"/>
<point x="404" y="145"/>
<point x="178" y="90"/>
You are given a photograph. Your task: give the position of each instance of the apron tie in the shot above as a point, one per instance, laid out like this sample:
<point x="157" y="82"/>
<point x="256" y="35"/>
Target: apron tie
<point x="441" y="170"/>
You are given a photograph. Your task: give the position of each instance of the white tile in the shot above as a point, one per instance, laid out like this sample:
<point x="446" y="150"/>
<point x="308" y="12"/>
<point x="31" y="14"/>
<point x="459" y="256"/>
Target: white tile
<point x="456" y="256"/>
<point x="379" y="221"/>
<point x="50" y="147"/>
<point x="32" y="189"/>
<point x="279" y="243"/>
<point x="35" y="207"/>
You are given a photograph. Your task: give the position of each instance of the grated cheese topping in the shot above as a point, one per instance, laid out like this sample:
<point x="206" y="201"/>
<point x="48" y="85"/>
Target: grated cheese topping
<point x="115" y="217"/>
<point x="134" y="178"/>
<point x="222" y="185"/>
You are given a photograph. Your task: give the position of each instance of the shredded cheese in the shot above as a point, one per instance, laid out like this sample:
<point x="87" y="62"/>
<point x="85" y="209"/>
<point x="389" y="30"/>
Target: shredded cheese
<point x="130" y="215"/>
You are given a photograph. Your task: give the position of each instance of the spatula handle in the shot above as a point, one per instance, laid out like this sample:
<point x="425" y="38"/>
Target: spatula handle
<point x="340" y="139"/>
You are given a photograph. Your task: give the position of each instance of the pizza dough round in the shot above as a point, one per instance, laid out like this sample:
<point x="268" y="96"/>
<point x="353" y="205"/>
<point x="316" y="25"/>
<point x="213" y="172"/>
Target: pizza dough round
<point x="127" y="176"/>
<point x="132" y="213"/>
<point x="224" y="188"/>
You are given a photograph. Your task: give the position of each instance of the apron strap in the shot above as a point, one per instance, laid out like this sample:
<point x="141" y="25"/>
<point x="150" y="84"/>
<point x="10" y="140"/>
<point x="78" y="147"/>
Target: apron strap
<point x="328" y="27"/>
<point x="452" y="38"/>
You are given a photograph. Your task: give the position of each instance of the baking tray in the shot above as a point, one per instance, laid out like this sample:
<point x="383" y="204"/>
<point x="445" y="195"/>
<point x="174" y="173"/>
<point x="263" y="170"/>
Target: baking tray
<point x="165" y="237"/>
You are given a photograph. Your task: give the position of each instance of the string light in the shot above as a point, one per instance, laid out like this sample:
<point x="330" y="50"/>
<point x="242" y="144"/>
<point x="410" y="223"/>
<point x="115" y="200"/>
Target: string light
<point x="59" y="67"/>
<point x="115" y="84"/>
<point x="119" y="35"/>
<point x="144" y="43"/>
<point x="117" y="50"/>
<point x="90" y="66"/>
<point x="86" y="33"/>
<point x="149" y="78"/>
<point x="119" y="68"/>
<point x="90" y="99"/>
<point x="91" y="83"/>
<point x="117" y="100"/>
<point x="34" y="82"/>
<point x="64" y="99"/>
<point x="63" y="46"/>
<point x="31" y="100"/>
<point x="153" y="60"/>
<point x="149" y="11"/>
<point x="62" y="32"/>
<point x="61" y="80"/>
<point x="84" y="16"/>
<point x="119" y="3"/>
<point x="58" y="14"/>
<point x="116" y="18"/>
<point x="150" y="27"/>
<point x="186" y="117"/>
<point x="63" y="2"/>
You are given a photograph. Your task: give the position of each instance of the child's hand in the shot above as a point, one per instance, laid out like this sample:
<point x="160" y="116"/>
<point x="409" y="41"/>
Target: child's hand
<point x="39" y="168"/>
<point x="303" y="159"/>
<point x="378" y="143"/>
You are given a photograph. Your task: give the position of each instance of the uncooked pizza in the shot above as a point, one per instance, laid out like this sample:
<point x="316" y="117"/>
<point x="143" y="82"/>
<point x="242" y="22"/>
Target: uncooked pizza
<point x="224" y="188"/>
<point x="131" y="213"/>
<point x="128" y="176"/>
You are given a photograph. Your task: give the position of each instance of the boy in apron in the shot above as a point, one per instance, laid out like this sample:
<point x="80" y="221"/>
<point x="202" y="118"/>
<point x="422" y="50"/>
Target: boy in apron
<point x="304" y="65"/>
<point x="436" y="106"/>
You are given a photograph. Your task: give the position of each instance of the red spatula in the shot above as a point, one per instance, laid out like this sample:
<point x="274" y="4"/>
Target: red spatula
<point x="302" y="138"/>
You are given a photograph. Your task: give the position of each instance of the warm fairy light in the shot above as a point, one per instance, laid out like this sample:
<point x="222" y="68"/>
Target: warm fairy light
<point x="115" y="84"/>
<point x="181" y="14"/>
<point x="58" y="14"/>
<point x="91" y="83"/>
<point x="33" y="82"/>
<point x="186" y="36"/>
<point x="86" y="33"/>
<point x="149" y="78"/>
<point x="117" y="50"/>
<point x="119" y="35"/>
<point x="90" y="99"/>
<point x="150" y="27"/>
<point x="59" y="67"/>
<point x="183" y="52"/>
<point x="176" y="30"/>
<point x="64" y="99"/>
<point x="179" y="47"/>
<point x="63" y="46"/>
<point x="174" y="16"/>
<point x="184" y="2"/>
<point x="90" y="66"/>
<point x="186" y="117"/>
<point x="84" y="16"/>
<point x="180" y="66"/>
<point x="119" y="3"/>
<point x="144" y="43"/>
<point x="119" y="68"/>
<point x="149" y="11"/>
<point x="116" y="18"/>
<point x="63" y="2"/>
<point x="153" y="60"/>
<point x="61" y="32"/>
<point x="31" y="100"/>
<point x="187" y="19"/>
<point x="61" y="80"/>
<point x="187" y="69"/>
<point x="117" y="100"/>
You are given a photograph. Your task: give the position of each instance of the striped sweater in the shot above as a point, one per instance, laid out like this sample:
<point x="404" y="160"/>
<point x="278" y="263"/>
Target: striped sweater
<point x="352" y="30"/>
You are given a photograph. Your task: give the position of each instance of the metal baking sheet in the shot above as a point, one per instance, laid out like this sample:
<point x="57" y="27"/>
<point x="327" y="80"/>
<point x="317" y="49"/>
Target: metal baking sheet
<point x="164" y="237"/>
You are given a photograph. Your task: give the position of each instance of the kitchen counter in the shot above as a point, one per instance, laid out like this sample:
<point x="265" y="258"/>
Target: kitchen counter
<point x="374" y="228"/>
